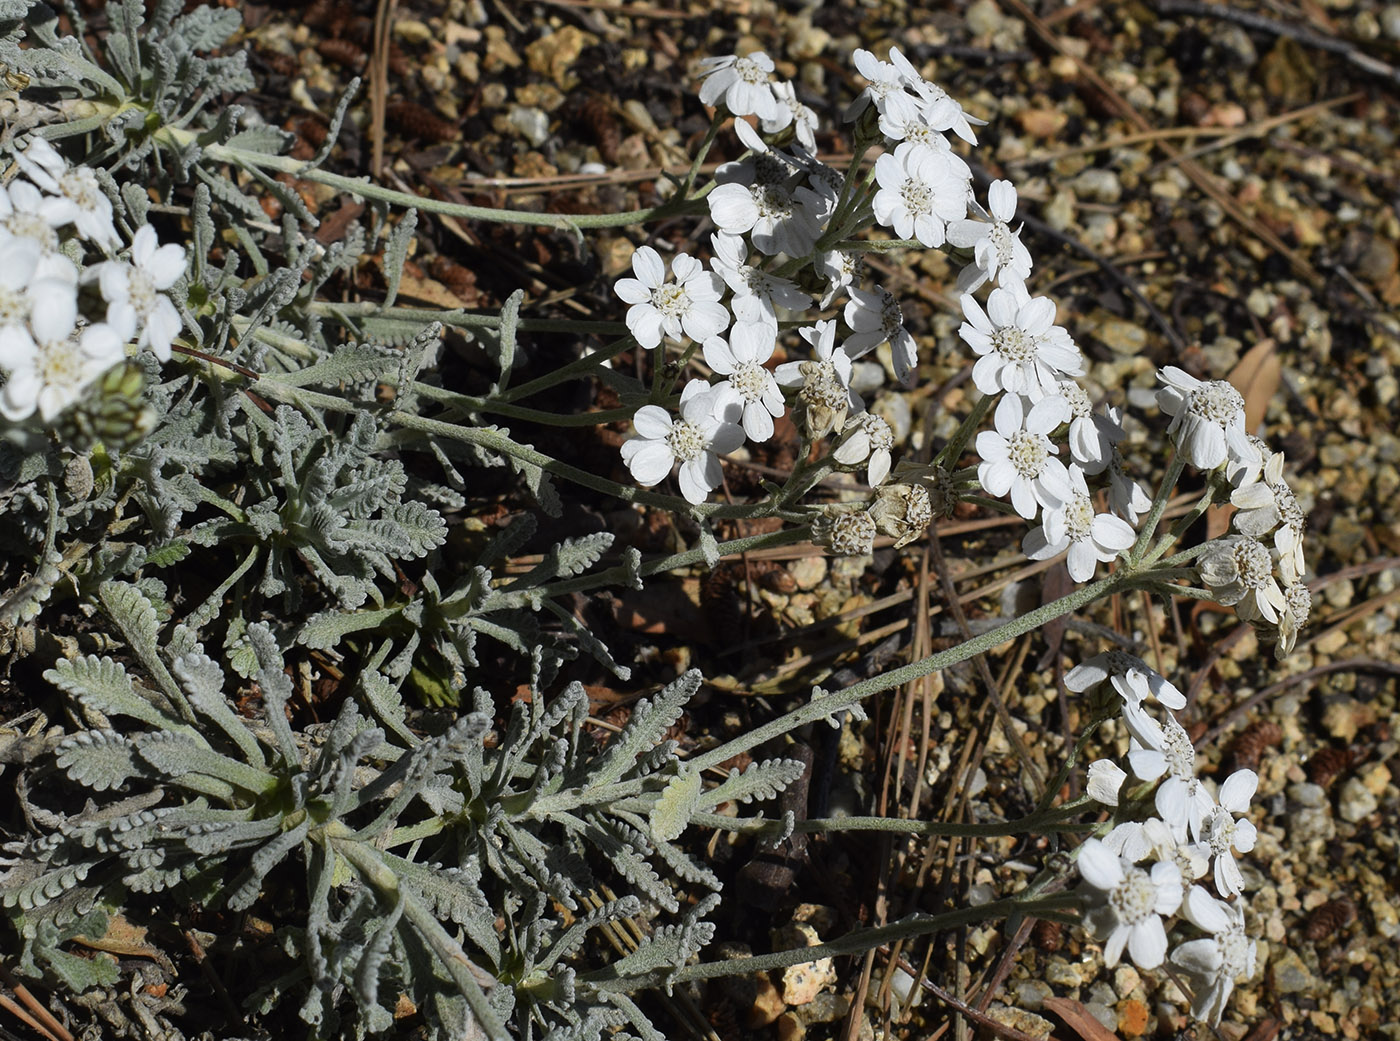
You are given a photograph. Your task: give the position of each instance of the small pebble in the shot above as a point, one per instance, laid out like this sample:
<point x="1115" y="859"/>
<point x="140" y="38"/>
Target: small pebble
<point x="1355" y="802"/>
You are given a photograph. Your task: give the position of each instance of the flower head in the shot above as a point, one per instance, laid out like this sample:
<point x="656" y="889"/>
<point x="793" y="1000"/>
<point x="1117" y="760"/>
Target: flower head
<point x="1240" y="572"/>
<point x="996" y="249"/>
<point x="1020" y="348"/>
<point x="875" y="318"/>
<point x="708" y="425"/>
<point x="1214" y="962"/>
<point x="920" y="192"/>
<point x="1133" y="679"/>
<point x="1224" y="834"/>
<point x="868" y="439"/>
<point x="741" y="358"/>
<point x="1018" y="456"/>
<point x="1074" y="525"/>
<point x="134" y="292"/>
<point x="741" y="84"/>
<point x="1128" y="904"/>
<point x="689" y="306"/>
<point x="1207" y="419"/>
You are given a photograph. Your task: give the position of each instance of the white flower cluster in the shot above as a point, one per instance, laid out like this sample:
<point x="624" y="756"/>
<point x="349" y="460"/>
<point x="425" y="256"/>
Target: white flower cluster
<point x="1259" y="569"/>
<point x="1145" y="870"/>
<point x="774" y="212"/>
<point x="51" y="347"/>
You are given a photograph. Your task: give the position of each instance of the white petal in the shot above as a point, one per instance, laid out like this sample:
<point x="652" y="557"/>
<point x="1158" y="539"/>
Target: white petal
<point x="1100" y="868"/>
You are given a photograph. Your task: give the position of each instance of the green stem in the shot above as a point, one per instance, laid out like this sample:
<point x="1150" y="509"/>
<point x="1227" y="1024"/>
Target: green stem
<point x="853" y="943"/>
<point x="622" y="574"/>
<point x="827" y="704"/>
<point x="951" y="452"/>
<point x="365" y="189"/>
<point x="1159" y="504"/>
<point x="689" y="183"/>
<point x="1034" y="824"/>
<point x="462" y="319"/>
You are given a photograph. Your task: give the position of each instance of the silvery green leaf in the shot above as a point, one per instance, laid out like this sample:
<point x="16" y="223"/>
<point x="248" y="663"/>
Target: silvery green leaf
<point x="676" y="805"/>
<point x="201" y="769"/>
<point x="671" y="946"/>
<point x="203" y="681"/>
<point x="136" y="617"/>
<point x="454" y="895"/>
<point x="759" y="780"/>
<point x="276" y="690"/>
<point x="325" y="629"/>
<point x="207" y="838"/>
<point x="337" y="118"/>
<point x="647" y="727"/>
<point x="588" y="640"/>
<point x="396" y="252"/>
<point x="205" y="28"/>
<point x="382" y="696"/>
<point x="629" y="863"/>
<point x="506" y="333"/>
<point x="686" y="867"/>
<point x="248" y="885"/>
<point x="708" y="546"/>
<point x="97" y="759"/>
<point x="79" y="975"/>
<point x="230" y="194"/>
<point x="46" y="887"/>
<point x="103" y="685"/>
<point x="413" y="769"/>
<point x="572" y="938"/>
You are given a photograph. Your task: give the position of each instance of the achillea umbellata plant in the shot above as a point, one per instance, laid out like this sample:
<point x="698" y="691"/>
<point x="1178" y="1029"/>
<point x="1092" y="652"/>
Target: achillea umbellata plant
<point x="179" y="399"/>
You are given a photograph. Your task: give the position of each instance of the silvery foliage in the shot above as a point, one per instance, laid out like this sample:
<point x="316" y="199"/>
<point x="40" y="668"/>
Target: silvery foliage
<point x="409" y="849"/>
<point x="398" y="855"/>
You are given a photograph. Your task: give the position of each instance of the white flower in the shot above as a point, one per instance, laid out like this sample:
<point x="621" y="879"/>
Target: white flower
<point x="886" y="89"/>
<point x="840" y="270"/>
<point x="92" y="210"/>
<point x="741" y="84"/>
<point x="1125" y="496"/>
<point x="1154" y="838"/>
<point x="1207" y="419"/>
<point x="1105" y="782"/>
<point x="1223" y="834"/>
<point x="1239" y="571"/>
<point x="1298" y="604"/>
<point x="26" y="212"/>
<point x="707" y="426"/>
<point x="996" y="249"/>
<point x="134" y="291"/>
<point x="688" y="306"/>
<point x="50" y="371"/>
<point x="1181" y="800"/>
<point x="824" y="382"/>
<point x="1130" y="904"/>
<point x="920" y="192"/>
<point x="1073" y="524"/>
<point x="1092" y="435"/>
<point x="874" y="318"/>
<point x="25" y="287"/>
<point x="1268" y="504"/>
<point x="940" y="110"/>
<point x="792" y="113"/>
<point x="768" y="293"/>
<point x="1217" y="961"/>
<point x="868" y="437"/>
<point x="759" y="196"/>
<point x="1018" y="458"/>
<point x="1019" y="347"/>
<point x="741" y="358"/>
<point x="1129" y="675"/>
